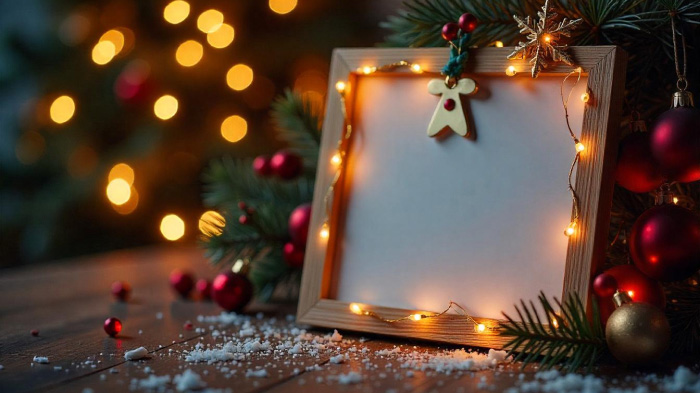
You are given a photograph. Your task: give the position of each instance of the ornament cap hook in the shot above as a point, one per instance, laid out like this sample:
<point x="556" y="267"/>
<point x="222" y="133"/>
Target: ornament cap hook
<point x="664" y="195"/>
<point x="621" y="298"/>
<point x="682" y="98"/>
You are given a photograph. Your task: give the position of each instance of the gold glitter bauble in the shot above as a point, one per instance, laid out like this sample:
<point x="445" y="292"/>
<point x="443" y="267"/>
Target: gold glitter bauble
<point x="637" y="333"/>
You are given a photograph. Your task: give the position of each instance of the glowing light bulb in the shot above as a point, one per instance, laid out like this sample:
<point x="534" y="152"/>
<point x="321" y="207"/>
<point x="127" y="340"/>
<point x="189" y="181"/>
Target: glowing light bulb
<point x="547" y="38"/>
<point x="282" y="6"/>
<point x="222" y="37"/>
<point x="630" y="294"/>
<point x="340" y="86"/>
<point x="416" y="68"/>
<point x="234" y="128"/>
<point x="555" y="323"/>
<point x="498" y="44"/>
<point x="366" y="70"/>
<point x="118" y="191"/>
<point x="172" y="227"/>
<point x="103" y="52"/>
<point x="571" y="229"/>
<point x="210" y="20"/>
<point x="585" y="97"/>
<point x="675" y="200"/>
<point x="165" y="107"/>
<point x="510" y="71"/>
<point x="580" y="147"/>
<point x="239" y="77"/>
<point x="355" y="308"/>
<point x="62" y="109"/>
<point x="324" y="233"/>
<point x="176" y="11"/>
<point x="417" y="317"/>
<point x="480" y="328"/>
<point x="189" y="53"/>
<point x="336" y="160"/>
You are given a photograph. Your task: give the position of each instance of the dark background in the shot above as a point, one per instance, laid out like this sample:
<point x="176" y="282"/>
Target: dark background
<point x="53" y="176"/>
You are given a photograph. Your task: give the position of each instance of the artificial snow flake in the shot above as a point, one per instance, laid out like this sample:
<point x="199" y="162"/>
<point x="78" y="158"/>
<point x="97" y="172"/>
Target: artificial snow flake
<point x="543" y="37"/>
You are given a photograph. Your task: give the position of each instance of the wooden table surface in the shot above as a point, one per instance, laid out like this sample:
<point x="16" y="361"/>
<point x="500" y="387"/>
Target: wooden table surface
<point x="68" y="302"/>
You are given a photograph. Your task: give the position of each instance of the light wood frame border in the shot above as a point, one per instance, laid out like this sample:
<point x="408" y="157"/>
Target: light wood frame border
<point x="605" y="66"/>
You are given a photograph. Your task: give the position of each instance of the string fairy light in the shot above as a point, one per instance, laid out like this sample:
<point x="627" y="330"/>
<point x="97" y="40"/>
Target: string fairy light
<point x="479" y="327"/>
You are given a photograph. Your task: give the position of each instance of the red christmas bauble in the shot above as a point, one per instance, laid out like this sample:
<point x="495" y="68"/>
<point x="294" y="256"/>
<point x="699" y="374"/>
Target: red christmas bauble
<point x="638" y="286"/>
<point x="293" y="254"/>
<point x="665" y="243"/>
<point x="468" y="22"/>
<point x="204" y="288"/>
<point x="604" y="285"/>
<point x="134" y="86"/>
<point x="112" y="326"/>
<point x="261" y="166"/>
<point x="286" y="165"/>
<point x="299" y="224"/>
<point x="182" y="282"/>
<point x="636" y="169"/>
<point x="121" y="290"/>
<point x="231" y="291"/>
<point x="449" y="31"/>
<point x="675" y="144"/>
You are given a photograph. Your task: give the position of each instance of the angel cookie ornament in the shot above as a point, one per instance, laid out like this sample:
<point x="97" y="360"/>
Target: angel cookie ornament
<point x="449" y="112"/>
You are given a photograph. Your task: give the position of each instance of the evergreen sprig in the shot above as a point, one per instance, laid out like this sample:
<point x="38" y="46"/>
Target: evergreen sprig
<point x="267" y="202"/>
<point x="574" y="341"/>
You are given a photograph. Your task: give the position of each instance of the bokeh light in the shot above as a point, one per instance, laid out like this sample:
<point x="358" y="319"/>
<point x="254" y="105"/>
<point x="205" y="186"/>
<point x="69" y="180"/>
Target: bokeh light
<point x="189" y="53"/>
<point x="234" y="128"/>
<point x="222" y="37"/>
<point x="172" y="227"/>
<point x="239" y="77"/>
<point x="211" y="223"/>
<point x="103" y="52"/>
<point x="122" y="171"/>
<point x="282" y="6"/>
<point x="118" y="191"/>
<point x="209" y="21"/>
<point x="130" y="205"/>
<point x="165" y="107"/>
<point x="62" y="109"/>
<point x="116" y="37"/>
<point x="176" y="11"/>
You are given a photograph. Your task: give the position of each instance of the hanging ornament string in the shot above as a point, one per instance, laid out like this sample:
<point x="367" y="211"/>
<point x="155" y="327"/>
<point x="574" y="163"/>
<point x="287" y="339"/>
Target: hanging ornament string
<point x="579" y="148"/>
<point x="682" y="82"/>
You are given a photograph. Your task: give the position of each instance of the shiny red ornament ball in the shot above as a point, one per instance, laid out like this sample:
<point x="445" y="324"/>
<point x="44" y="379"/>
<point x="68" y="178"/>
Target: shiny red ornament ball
<point x="293" y="254"/>
<point x="34" y="332"/>
<point x="665" y="243"/>
<point x="231" y="291"/>
<point x="121" y="290"/>
<point x="638" y="286"/>
<point x="182" y="282"/>
<point x="468" y="22"/>
<point x="203" y="286"/>
<point x="286" y="165"/>
<point x="112" y="326"/>
<point x="604" y="285"/>
<point x="299" y="224"/>
<point x="449" y="31"/>
<point x="675" y="144"/>
<point x="261" y="166"/>
<point x="636" y="169"/>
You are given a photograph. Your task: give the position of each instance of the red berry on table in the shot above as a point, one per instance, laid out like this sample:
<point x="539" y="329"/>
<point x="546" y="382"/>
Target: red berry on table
<point x="293" y="254"/>
<point x="468" y="22"/>
<point x="261" y="166"/>
<point x="286" y="165"/>
<point x="450" y="31"/>
<point x="231" y="291"/>
<point x="243" y="219"/>
<point x="112" y="326"/>
<point x="204" y="288"/>
<point x="34" y="332"/>
<point x="188" y="325"/>
<point x="604" y="285"/>
<point x="182" y="282"/>
<point x="121" y="290"/>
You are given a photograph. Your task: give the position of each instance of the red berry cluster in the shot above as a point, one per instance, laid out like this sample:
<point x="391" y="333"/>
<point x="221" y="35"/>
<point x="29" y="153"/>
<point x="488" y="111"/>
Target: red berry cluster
<point x="467" y="23"/>
<point x="283" y="164"/>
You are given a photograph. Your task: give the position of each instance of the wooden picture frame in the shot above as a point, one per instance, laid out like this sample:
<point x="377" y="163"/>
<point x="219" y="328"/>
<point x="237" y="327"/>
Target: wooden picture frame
<point x="604" y="67"/>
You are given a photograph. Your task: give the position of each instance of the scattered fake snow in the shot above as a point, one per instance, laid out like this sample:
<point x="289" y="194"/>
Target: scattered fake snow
<point x="189" y="380"/>
<point x="40" y="359"/>
<point x="135" y="354"/>
<point x="262" y="373"/>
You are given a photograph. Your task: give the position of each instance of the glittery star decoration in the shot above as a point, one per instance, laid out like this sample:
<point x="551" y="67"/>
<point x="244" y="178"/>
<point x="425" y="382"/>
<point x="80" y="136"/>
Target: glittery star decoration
<point x="543" y="36"/>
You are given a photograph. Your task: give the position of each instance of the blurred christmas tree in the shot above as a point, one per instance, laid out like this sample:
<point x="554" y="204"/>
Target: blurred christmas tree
<point x="159" y="86"/>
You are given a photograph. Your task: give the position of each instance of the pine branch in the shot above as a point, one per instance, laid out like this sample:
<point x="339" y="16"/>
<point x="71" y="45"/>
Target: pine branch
<point x="572" y="343"/>
<point x="299" y="125"/>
